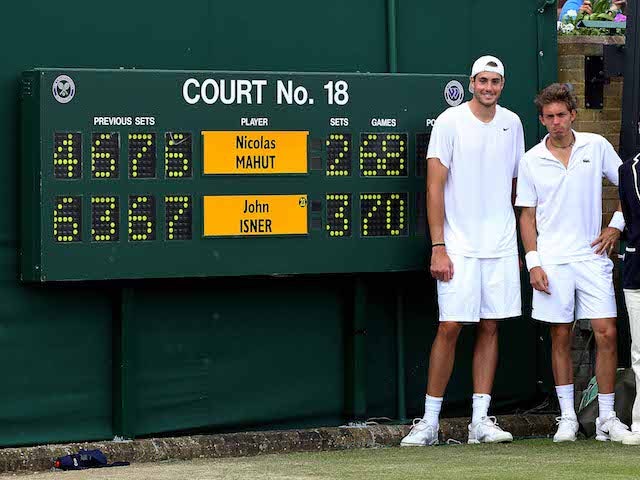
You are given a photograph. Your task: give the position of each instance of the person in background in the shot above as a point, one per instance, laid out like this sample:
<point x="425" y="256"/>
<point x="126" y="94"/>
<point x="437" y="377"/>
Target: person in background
<point x="560" y="6"/>
<point x="472" y="163"/>
<point x="629" y="189"/>
<point x="617" y="6"/>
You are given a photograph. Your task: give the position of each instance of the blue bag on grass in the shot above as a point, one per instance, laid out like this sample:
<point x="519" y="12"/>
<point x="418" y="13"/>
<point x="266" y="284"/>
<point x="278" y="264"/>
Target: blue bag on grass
<point x="85" y="459"/>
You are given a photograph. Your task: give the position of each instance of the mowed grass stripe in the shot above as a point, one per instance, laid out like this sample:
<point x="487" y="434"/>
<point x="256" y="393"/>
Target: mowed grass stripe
<point x="523" y="459"/>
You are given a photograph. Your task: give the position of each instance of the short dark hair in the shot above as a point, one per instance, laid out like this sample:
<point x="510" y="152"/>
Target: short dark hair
<point x="557" y="92"/>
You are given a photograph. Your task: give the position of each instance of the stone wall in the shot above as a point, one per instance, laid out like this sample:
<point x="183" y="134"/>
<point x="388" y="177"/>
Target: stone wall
<point x="606" y="121"/>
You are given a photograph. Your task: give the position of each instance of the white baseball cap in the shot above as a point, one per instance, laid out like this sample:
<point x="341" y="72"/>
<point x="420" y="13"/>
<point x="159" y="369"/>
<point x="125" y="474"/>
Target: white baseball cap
<point x="487" y="63"/>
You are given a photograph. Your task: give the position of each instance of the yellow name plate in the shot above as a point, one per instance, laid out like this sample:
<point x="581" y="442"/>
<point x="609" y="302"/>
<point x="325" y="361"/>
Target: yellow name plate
<point x="250" y="215"/>
<point x="251" y="153"/>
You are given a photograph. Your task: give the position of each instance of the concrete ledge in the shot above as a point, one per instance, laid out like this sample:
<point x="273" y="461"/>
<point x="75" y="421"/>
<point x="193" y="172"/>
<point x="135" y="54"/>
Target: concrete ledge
<point x="592" y="39"/>
<point x="258" y="443"/>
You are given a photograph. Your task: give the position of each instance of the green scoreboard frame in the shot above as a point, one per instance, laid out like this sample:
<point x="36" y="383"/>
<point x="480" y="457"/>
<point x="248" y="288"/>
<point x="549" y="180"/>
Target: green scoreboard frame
<point x="129" y="174"/>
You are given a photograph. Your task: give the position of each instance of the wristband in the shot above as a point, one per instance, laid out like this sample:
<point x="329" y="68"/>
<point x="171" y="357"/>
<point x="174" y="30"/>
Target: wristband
<point x="439" y="244"/>
<point x="617" y="220"/>
<point x="532" y="259"/>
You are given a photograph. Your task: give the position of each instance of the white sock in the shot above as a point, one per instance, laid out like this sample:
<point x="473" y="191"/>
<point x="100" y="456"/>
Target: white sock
<point x="565" y="398"/>
<point x="432" y="406"/>
<point x="480" y="402"/>
<point x="605" y="402"/>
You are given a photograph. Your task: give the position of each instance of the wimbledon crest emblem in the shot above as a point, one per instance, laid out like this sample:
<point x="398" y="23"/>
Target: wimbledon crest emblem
<point x="63" y="89"/>
<point x="454" y="93"/>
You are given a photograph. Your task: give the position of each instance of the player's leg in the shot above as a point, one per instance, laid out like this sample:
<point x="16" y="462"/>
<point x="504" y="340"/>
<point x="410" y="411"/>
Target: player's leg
<point x="608" y="426"/>
<point x="605" y="334"/>
<point x="595" y="299"/>
<point x="442" y="357"/>
<point x="485" y="357"/>
<point x="485" y="361"/>
<point x="500" y="300"/>
<point x="453" y="315"/>
<point x="557" y="309"/>
<point x="561" y="353"/>
<point x="632" y="300"/>
<point x="441" y="361"/>
<point x="562" y="365"/>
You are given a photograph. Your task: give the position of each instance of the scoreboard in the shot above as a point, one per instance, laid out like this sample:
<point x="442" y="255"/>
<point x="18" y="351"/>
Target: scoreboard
<point x="156" y="174"/>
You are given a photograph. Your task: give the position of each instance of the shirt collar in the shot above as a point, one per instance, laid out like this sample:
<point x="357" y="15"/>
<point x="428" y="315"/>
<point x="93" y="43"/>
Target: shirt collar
<point x="543" y="152"/>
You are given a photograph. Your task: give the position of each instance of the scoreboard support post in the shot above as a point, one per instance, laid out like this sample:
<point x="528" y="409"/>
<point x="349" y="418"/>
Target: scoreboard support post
<point x="400" y="373"/>
<point x="359" y="346"/>
<point x="123" y="404"/>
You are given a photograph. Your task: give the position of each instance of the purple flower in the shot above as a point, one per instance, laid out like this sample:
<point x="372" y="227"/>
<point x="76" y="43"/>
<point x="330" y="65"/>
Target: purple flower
<point x="620" y="18"/>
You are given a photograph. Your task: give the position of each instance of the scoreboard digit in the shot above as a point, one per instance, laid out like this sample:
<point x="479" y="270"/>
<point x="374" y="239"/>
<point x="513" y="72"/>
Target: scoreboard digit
<point x="142" y="218"/>
<point x="67" y="153"/>
<point x="178" y="155"/>
<point x="339" y="154"/>
<point x="105" y="154"/>
<point x="338" y="220"/>
<point x="178" y="217"/>
<point x="142" y="155"/>
<point x="105" y="218"/>
<point x="383" y="154"/>
<point x="383" y="214"/>
<point x="67" y="219"/>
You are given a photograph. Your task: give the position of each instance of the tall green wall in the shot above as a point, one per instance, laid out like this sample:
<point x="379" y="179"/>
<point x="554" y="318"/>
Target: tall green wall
<point x="87" y="361"/>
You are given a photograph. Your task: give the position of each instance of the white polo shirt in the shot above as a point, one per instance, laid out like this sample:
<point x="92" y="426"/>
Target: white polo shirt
<point x="482" y="159"/>
<point x="568" y="200"/>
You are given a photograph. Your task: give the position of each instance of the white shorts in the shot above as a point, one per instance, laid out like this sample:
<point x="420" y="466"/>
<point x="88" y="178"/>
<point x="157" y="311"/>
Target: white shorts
<point x="584" y="287"/>
<point x="481" y="288"/>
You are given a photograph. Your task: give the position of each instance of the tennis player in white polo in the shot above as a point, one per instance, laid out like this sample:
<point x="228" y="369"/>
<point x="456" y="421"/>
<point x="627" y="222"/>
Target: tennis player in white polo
<point x="473" y="158"/>
<point x="560" y="190"/>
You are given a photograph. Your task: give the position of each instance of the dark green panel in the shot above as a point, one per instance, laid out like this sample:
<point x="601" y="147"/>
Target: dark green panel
<point x="56" y="371"/>
<point x="381" y="312"/>
<point x="325" y="36"/>
<point x="65" y="227"/>
<point x="517" y="376"/>
<point x="515" y="33"/>
<point x="234" y="353"/>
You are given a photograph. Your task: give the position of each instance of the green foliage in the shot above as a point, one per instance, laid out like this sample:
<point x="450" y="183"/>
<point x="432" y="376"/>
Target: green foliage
<point x="598" y="15"/>
<point x="600" y="12"/>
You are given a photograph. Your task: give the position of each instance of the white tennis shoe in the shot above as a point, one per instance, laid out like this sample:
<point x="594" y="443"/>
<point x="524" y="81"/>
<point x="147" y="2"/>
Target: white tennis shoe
<point x="488" y="431"/>
<point x="422" y="434"/>
<point x="611" y="428"/>
<point x="567" y="429"/>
